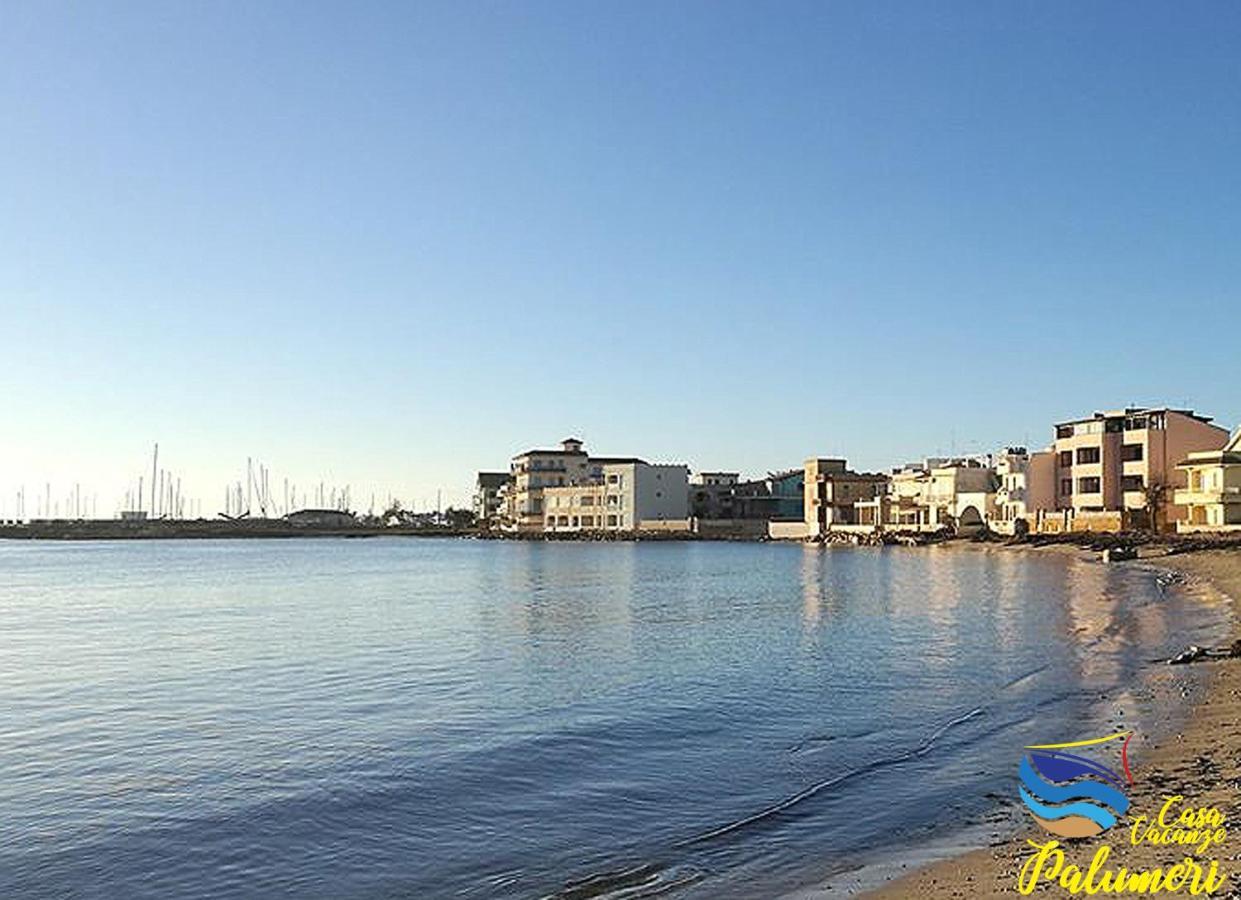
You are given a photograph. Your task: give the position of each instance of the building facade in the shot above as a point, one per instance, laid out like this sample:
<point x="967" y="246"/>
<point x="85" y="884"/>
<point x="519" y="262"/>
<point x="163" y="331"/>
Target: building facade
<point x="788" y="493"/>
<point x="831" y="492"/>
<point x="1108" y="461"/>
<point x="487" y="496"/>
<point x="942" y="493"/>
<point x="1211" y="497"/>
<point x="535" y="470"/>
<point x="628" y="495"/>
<point x="1026" y="486"/>
<point x="712" y="494"/>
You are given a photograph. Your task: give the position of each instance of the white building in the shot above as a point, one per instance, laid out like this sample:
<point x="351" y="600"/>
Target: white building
<point x="626" y="495"/>
<point x="1027" y="485"/>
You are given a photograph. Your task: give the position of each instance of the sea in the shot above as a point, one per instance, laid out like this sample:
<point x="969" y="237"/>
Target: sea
<point x="424" y="718"/>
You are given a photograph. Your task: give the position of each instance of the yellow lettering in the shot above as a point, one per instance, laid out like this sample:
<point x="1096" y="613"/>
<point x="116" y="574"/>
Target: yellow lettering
<point x="1096" y="864"/>
<point x="1213" y="883"/>
<point x="1163" y="813"/>
<point x="1027" y="880"/>
<point x="1175" y="876"/>
<point x="1071" y="878"/>
<point x="1142" y="882"/>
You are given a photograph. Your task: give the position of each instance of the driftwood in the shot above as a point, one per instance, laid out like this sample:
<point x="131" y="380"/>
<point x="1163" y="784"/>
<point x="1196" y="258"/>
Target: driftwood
<point x="1193" y="653"/>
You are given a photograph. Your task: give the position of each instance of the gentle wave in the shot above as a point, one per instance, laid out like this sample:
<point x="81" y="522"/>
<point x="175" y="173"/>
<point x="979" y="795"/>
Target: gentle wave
<point x="921" y="750"/>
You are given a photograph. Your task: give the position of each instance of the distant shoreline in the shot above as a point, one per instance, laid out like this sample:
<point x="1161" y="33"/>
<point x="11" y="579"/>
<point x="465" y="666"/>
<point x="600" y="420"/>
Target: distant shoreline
<point x="242" y="529"/>
<point x="154" y="530"/>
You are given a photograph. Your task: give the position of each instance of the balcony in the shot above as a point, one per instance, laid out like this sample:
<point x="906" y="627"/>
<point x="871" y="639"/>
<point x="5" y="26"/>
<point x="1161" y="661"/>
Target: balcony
<point x="1199" y="497"/>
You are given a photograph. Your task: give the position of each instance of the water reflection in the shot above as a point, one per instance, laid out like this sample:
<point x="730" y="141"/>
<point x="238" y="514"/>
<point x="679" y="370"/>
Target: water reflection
<point x="496" y="719"/>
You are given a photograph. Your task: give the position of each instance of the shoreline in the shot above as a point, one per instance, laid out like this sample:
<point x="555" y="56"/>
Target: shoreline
<point x="1200" y="760"/>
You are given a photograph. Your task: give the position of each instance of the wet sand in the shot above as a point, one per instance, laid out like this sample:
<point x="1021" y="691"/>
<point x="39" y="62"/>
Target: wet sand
<point x="1202" y="762"/>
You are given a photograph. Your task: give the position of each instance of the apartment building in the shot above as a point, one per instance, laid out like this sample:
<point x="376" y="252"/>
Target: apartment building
<point x="712" y="494"/>
<point x="1026" y="485"/>
<point x="832" y="492"/>
<point x="535" y="470"/>
<point x="1106" y="462"/>
<point x="939" y="493"/>
<point x="1211" y="498"/>
<point x="487" y="495"/>
<point x="724" y="496"/>
<point x="624" y="495"/>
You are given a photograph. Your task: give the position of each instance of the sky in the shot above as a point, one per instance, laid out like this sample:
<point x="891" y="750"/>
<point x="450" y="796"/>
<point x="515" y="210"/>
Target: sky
<point x="390" y="244"/>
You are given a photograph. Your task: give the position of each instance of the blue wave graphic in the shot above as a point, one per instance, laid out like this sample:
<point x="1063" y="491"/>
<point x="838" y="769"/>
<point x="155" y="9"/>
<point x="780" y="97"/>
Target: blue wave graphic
<point x="1081" y="790"/>
<point x="1096" y="814"/>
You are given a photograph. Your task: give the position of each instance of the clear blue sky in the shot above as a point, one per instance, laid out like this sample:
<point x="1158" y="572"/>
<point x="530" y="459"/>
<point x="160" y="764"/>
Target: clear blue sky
<point x="389" y="244"/>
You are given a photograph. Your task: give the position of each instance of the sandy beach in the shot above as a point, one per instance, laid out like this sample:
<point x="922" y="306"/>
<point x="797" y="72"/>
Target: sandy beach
<point x="1201" y="762"/>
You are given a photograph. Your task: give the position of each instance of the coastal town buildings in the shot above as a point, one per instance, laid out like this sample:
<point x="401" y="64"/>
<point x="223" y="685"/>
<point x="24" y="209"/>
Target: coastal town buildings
<point x="1026" y="486"/>
<point x="1108" y="462"/>
<point x="1211" y="497"/>
<point x="936" y="494"/>
<point x="787" y="494"/>
<point x="711" y="494"/>
<point x="535" y="470"/>
<point x="487" y="495"/>
<point x="833" y="492"/>
<point x="588" y="492"/>
<point x="722" y="503"/>
<point x="1108" y="471"/>
<point x="625" y="495"/>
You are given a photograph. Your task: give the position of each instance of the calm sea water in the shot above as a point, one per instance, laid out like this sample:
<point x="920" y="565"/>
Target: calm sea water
<point x="438" y="718"/>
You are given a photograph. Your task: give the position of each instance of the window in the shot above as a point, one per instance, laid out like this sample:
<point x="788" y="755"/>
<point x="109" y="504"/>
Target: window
<point x="1113" y="425"/>
<point x="575" y="520"/>
<point x="611" y="479"/>
<point x="1130" y="452"/>
<point x="1064" y="431"/>
<point x="658" y="494"/>
<point x="1131" y="483"/>
<point x="588" y="521"/>
<point x="1066" y="485"/>
<point x="1135" y="423"/>
<point x="1088" y="485"/>
<point x="588" y="501"/>
<point x="1086" y="455"/>
<point x="1066" y="458"/>
<point x="611" y="520"/>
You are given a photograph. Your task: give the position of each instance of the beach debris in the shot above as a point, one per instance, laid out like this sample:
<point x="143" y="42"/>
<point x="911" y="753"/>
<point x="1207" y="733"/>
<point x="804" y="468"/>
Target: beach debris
<point x="1193" y="653"/>
<point x="1165" y="580"/>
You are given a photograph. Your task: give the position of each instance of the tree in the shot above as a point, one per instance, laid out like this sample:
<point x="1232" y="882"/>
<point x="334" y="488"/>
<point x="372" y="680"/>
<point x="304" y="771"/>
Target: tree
<point x="1155" y="494"/>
